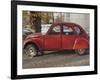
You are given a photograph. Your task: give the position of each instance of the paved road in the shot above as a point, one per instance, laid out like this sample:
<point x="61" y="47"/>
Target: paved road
<point x="56" y="59"/>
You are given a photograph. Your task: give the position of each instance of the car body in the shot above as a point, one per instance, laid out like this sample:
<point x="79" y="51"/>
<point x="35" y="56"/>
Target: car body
<point x="60" y="36"/>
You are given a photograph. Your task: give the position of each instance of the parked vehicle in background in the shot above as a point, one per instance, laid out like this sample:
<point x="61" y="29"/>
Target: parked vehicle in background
<point x="60" y="36"/>
<point x="26" y="32"/>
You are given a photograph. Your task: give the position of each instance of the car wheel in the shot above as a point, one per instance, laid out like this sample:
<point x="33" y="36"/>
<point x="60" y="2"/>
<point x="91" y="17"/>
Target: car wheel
<point x="80" y="51"/>
<point x="30" y="50"/>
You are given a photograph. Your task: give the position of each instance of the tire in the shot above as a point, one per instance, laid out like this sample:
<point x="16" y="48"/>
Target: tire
<point x="30" y="50"/>
<point x="81" y="51"/>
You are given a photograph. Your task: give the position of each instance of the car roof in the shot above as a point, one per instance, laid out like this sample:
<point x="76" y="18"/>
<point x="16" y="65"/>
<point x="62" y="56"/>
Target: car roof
<point x="69" y="24"/>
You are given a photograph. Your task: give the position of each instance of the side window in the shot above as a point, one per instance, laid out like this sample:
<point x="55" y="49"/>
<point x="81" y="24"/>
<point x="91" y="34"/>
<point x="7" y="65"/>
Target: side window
<point x="55" y="30"/>
<point x="77" y="30"/>
<point x="67" y="30"/>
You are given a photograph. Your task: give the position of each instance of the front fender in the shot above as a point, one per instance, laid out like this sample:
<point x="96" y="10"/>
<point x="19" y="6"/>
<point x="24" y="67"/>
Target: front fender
<point x="31" y="41"/>
<point x="81" y="43"/>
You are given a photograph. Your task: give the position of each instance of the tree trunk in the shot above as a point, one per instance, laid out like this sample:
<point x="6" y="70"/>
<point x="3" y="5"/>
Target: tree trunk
<point x="36" y="21"/>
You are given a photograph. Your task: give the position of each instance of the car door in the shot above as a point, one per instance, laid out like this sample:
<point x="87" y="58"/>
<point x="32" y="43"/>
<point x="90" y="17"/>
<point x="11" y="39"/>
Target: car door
<point x="53" y="38"/>
<point x="68" y="37"/>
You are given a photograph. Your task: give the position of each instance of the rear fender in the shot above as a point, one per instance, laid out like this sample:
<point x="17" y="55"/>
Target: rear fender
<point x="81" y="43"/>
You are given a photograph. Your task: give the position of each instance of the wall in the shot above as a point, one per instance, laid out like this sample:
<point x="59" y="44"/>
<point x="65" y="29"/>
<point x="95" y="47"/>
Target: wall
<point x="81" y="19"/>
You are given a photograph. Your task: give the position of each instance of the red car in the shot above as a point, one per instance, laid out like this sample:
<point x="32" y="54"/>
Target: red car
<point x="60" y="36"/>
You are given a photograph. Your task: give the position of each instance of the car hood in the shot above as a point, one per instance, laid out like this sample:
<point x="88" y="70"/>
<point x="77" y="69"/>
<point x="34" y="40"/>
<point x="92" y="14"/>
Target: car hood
<point x="35" y="35"/>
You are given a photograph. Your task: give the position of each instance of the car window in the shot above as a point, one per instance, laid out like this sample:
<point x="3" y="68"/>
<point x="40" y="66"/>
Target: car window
<point x="56" y="30"/>
<point x="77" y="30"/>
<point x="67" y="30"/>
